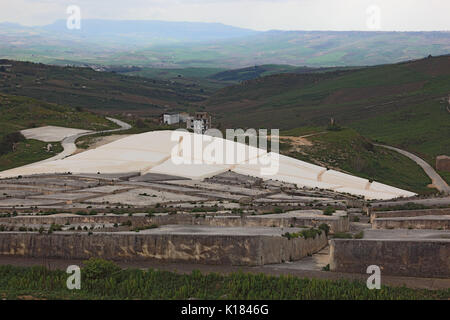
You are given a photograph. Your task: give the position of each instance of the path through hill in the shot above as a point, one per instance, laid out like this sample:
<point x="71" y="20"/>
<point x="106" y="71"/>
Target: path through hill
<point x="69" y="143"/>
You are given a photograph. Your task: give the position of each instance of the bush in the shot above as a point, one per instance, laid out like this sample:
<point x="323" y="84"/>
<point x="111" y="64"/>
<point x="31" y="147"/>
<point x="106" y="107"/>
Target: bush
<point x="329" y="211"/>
<point x="342" y="235"/>
<point x="359" y="235"/>
<point x="127" y="223"/>
<point x="309" y="233"/>
<point x="95" y="269"/>
<point x="325" y="227"/>
<point x="277" y="210"/>
<point x="153" y="226"/>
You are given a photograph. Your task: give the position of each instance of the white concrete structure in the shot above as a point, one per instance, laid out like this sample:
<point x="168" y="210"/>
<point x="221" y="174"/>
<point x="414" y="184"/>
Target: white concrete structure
<point x="171" y="118"/>
<point x="168" y="152"/>
<point x="51" y="133"/>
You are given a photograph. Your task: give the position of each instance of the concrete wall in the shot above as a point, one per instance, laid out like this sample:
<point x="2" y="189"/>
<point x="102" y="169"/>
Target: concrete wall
<point x="412" y="223"/>
<point x="204" y="249"/>
<point x="412" y="258"/>
<point x="408" y="213"/>
<point x="341" y="224"/>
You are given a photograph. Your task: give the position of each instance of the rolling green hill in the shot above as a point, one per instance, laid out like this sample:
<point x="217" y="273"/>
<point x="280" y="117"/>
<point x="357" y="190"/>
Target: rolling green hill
<point x="89" y="89"/>
<point x="402" y="104"/>
<point x="348" y="151"/>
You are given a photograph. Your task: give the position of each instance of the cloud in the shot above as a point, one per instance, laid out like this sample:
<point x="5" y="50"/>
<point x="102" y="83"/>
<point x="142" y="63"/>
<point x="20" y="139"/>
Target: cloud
<point x="256" y="14"/>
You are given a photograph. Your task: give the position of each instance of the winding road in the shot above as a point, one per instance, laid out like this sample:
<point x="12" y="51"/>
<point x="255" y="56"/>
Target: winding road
<point x="436" y="179"/>
<point x="69" y="143"/>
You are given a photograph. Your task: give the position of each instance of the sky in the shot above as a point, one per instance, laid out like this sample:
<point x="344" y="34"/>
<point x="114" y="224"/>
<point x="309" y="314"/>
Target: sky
<point x="382" y="15"/>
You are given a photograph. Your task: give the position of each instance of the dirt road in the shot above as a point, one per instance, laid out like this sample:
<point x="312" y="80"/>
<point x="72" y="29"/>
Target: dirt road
<point x="436" y="179"/>
<point x="69" y="143"/>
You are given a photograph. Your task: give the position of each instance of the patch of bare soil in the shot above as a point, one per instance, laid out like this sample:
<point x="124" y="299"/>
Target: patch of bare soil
<point x="296" y="141"/>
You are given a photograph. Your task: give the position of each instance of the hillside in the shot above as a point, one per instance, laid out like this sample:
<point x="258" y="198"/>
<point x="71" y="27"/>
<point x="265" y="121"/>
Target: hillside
<point x="89" y="89"/>
<point x="346" y="150"/>
<point x="243" y="74"/>
<point x="18" y="113"/>
<point x="402" y="104"/>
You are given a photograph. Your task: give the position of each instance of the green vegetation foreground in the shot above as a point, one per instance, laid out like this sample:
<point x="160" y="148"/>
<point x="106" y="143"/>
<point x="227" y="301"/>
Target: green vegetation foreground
<point x="105" y="280"/>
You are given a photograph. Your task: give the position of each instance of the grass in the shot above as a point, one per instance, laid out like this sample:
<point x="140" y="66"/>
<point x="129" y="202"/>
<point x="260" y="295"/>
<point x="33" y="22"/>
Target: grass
<point x="103" y="280"/>
<point x="445" y="175"/>
<point x="27" y="152"/>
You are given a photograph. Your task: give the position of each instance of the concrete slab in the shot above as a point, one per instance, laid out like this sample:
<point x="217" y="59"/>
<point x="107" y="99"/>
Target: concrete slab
<point x="439" y="222"/>
<point x="15" y="202"/>
<point x="226" y="231"/>
<point x="151" y="177"/>
<point x="405" y="234"/>
<point x="143" y="197"/>
<point x="51" y="133"/>
<point x="103" y="189"/>
<point x="64" y="196"/>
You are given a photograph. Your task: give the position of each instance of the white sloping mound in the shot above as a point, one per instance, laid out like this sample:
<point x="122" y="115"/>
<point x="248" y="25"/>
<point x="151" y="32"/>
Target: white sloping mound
<point x="197" y="157"/>
<point x="51" y="133"/>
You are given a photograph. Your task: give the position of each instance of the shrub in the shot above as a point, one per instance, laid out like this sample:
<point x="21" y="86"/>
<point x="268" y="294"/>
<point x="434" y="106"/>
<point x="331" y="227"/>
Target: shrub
<point x="277" y="210"/>
<point x="127" y="223"/>
<point x="325" y="227"/>
<point x="329" y="211"/>
<point x="95" y="269"/>
<point x="153" y="226"/>
<point x="359" y="235"/>
<point x="342" y="235"/>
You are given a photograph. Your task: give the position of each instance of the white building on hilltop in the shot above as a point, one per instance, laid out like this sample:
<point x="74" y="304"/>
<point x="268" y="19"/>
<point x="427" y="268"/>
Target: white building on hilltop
<point x="171" y="118"/>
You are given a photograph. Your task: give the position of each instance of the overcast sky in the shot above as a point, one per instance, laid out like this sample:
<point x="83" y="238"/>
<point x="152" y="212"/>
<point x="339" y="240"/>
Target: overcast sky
<point x="397" y="15"/>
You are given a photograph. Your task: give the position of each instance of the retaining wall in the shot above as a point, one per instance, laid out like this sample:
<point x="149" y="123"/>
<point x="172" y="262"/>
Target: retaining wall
<point x="408" y="213"/>
<point x="412" y="258"/>
<point x="340" y="224"/>
<point x="435" y="223"/>
<point x="204" y="249"/>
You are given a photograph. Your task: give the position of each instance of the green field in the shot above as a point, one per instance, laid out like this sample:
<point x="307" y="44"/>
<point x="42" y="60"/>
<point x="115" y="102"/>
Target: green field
<point x="104" y="280"/>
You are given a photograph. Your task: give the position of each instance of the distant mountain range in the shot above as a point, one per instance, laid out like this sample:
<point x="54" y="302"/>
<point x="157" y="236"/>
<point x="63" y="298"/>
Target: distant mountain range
<point x="149" y="32"/>
<point x="213" y="45"/>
